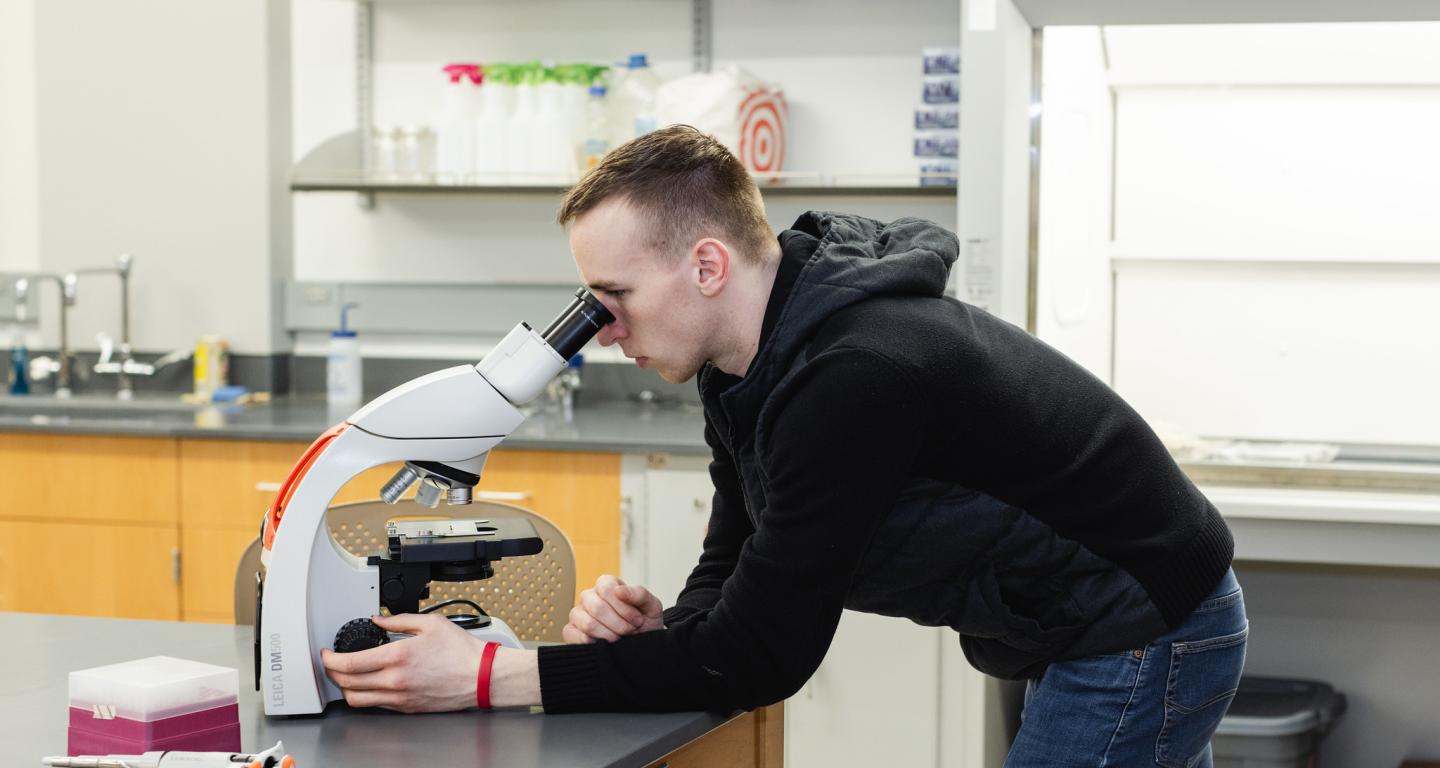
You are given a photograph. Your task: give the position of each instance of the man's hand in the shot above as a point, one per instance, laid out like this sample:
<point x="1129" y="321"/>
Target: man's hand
<point x="611" y="610"/>
<point x="434" y="671"/>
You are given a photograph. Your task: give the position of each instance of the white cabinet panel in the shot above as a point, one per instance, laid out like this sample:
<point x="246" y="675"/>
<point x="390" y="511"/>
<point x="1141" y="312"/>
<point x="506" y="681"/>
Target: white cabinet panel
<point x="678" y="498"/>
<point x="874" y="701"/>
<point x="666" y="509"/>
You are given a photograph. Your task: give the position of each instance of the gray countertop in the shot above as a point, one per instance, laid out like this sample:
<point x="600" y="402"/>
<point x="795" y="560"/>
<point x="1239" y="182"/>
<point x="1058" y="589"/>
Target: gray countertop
<point x="44" y="649"/>
<point x="631" y="427"/>
<point x="620" y="427"/>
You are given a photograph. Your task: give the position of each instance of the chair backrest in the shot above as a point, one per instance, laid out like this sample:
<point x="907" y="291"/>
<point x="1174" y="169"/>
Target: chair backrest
<point x="532" y="594"/>
<point x="245" y="574"/>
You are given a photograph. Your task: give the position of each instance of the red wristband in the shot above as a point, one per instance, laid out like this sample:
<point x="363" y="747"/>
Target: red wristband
<point x="482" y="681"/>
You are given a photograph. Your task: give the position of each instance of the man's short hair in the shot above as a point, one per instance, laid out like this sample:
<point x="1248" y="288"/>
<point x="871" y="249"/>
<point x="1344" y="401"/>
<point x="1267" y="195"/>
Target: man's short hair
<point x="685" y="186"/>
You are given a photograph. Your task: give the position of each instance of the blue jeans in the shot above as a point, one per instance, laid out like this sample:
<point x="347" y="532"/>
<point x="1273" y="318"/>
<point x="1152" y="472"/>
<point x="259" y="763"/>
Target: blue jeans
<point x="1156" y="705"/>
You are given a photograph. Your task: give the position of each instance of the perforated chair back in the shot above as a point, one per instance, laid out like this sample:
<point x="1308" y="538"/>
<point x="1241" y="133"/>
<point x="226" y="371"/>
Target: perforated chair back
<point x="245" y="571"/>
<point x="532" y="594"/>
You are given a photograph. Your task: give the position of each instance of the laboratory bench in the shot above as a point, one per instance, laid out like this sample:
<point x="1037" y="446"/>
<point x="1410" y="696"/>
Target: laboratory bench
<point x="34" y="709"/>
<point x="1343" y="554"/>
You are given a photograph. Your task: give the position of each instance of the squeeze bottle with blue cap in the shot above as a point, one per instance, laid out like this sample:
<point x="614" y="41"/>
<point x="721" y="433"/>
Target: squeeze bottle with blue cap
<point x="342" y="365"/>
<point x="19" y="375"/>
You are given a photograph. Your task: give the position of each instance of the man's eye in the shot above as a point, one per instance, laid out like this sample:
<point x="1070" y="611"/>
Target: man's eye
<point x="617" y="295"/>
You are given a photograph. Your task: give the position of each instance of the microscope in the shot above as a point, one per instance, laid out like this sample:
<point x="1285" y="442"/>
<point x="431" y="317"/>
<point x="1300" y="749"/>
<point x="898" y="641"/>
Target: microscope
<point x="312" y="594"/>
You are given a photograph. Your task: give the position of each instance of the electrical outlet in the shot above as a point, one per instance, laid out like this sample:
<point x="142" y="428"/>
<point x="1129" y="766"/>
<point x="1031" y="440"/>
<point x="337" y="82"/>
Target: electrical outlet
<point x="319" y="294"/>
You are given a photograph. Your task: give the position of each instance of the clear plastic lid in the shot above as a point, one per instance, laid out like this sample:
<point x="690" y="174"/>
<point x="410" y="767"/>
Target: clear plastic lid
<point x="154" y="688"/>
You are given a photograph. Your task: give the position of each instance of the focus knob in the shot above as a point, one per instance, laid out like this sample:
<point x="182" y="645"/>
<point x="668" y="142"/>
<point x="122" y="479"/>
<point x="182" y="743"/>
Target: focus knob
<point x="359" y="635"/>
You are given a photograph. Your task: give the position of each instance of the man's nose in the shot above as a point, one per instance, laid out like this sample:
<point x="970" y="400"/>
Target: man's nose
<point x="611" y="333"/>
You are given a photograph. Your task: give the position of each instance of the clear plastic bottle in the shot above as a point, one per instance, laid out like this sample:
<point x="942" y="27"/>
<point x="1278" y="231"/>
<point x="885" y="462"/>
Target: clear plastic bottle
<point x="597" y="129"/>
<point x="342" y="364"/>
<point x="634" y="100"/>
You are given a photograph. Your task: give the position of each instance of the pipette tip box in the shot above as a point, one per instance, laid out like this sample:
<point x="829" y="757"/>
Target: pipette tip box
<point x="156" y="703"/>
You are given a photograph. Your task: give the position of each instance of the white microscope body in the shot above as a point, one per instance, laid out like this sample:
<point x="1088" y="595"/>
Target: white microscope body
<point x="310" y="586"/>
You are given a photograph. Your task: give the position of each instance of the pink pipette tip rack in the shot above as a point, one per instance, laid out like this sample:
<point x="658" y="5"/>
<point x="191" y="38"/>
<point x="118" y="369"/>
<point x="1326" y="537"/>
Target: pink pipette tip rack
<point x="155" y="703"/>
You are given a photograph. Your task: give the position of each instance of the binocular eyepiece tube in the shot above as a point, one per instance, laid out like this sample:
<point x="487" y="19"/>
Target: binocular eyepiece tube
<point x="577" y="325"/>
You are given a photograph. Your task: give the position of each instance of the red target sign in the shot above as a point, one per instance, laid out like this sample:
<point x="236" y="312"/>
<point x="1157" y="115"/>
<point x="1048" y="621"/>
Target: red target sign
<point x="762" y="132"/>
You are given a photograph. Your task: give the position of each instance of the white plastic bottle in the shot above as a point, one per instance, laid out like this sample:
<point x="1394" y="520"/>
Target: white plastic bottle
<point x="455" y="127"/>
<point x="342" y="365"/>
<point x="492" y="140"/>
<point x="521" y="127"/>
<point x="575" y="82"/>
<point x="554" y="149"/>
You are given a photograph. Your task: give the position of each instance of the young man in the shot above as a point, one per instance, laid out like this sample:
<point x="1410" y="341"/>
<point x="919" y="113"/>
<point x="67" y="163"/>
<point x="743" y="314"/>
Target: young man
<point x="880" y="447"/>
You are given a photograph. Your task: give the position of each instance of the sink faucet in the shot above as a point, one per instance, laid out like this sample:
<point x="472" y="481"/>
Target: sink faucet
<point x="127" y="365"/>
<point x="563" y="388"/>
<point x="41" y="367"/>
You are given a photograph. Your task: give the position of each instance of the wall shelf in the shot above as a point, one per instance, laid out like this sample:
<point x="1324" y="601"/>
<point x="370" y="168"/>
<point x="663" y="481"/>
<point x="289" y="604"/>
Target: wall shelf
<point x="787" y="189"/>
<point x="330" y="167"/>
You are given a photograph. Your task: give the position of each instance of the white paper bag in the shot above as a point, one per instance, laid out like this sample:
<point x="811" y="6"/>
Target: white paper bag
<point x="741" y="111"/>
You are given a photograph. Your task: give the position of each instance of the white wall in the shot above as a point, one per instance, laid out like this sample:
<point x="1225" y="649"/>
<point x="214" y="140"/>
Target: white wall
<point x="150" y="128"/>
<point x="19" y="233"/>
<point x="1275" y="257"/>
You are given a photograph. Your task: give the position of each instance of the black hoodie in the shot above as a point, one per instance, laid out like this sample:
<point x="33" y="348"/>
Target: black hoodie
<point x="897" y="451"/>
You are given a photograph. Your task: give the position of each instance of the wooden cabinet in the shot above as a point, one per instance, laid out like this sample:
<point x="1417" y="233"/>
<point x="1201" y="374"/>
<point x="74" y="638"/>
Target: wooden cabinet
<point x="152" y="527"/>
<point x="90" y="526"/>
<point x="752" y="740"/>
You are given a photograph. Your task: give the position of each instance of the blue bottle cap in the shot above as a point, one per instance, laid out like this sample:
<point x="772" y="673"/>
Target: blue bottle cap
<point x="638" y="61"/>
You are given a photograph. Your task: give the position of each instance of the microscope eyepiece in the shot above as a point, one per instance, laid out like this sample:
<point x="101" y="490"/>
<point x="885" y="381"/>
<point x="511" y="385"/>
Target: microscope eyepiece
<point x="577" y="325"/>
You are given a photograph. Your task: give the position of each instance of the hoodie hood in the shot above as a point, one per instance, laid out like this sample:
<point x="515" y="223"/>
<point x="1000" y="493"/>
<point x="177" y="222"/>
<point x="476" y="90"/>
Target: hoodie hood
<point x="854" y="258"/>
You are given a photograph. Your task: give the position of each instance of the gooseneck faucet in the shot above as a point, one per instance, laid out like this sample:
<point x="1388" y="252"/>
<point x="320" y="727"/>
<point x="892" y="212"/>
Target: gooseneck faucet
<point x="67" y="283"/>
<point x="126" y="366"/>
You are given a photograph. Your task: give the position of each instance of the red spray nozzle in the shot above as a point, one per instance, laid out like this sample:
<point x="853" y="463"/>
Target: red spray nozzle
<point x="458" y="71"/>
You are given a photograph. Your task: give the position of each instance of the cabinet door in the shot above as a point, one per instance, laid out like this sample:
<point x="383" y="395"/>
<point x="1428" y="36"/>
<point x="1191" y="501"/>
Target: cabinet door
<point x="874" y="701"/>
<point x="88" y="478"/>
<point x="89" y="526"/>
<point x="90" y="569"/>
<point x="678" y="493"/>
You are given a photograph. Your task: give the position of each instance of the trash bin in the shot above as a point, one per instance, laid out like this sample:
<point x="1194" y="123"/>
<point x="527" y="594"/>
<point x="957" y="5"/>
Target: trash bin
<point x="1276" y="723"/>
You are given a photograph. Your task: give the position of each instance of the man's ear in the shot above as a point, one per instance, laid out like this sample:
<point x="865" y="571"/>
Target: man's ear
<point x="710" y="262"/>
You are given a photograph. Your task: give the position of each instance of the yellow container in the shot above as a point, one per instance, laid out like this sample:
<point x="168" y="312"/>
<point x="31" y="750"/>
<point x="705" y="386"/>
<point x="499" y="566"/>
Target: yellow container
<point x="212" y="366"/>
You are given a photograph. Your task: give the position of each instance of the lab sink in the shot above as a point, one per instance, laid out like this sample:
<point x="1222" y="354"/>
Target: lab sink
<point x="50" y="409"/>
